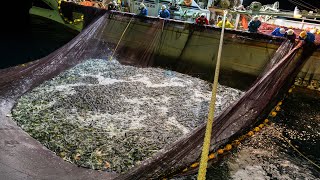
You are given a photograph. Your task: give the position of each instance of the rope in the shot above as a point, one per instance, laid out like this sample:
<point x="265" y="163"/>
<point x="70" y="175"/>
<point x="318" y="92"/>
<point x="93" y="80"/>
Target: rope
<point x="115" y="49"/>
<point x="206" y="144"/>
<point x="295" y="149"/>
<point x="162" y="38"/>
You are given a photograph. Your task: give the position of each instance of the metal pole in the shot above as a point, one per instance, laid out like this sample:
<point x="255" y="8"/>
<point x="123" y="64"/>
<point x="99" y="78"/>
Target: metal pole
<point x="237" y="22"/>
<point x="302" y="23"/>
<point x="206" y="144"/>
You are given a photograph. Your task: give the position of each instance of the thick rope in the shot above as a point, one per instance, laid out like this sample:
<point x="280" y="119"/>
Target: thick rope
<point x="115" y="49"/>
<point x="206" y="144"/>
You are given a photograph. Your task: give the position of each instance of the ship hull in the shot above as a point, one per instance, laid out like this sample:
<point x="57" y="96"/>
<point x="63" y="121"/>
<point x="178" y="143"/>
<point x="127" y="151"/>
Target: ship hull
<point x="243" y="53"/>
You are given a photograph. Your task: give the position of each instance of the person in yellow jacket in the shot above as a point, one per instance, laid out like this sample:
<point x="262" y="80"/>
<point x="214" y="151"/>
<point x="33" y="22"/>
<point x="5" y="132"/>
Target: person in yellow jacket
<point x="228" y="24"/>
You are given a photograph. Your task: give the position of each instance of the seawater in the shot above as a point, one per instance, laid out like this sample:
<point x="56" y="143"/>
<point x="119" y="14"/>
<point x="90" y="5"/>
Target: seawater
<point x="33" y="42"/>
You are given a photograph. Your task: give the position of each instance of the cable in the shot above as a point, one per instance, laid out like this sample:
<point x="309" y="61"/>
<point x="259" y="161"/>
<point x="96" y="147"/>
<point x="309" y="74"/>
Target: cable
<point x="300" y="5"/>
<point x="304" y="2"/>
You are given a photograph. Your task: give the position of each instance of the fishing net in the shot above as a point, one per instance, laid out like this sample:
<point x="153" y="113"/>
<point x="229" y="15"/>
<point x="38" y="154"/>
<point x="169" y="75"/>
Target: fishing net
<point x="142" y="44"/>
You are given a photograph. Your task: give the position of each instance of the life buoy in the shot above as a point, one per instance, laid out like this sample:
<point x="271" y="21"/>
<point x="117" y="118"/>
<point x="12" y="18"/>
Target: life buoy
<point x="87" y="3"/>
<point x="187" y="2"/>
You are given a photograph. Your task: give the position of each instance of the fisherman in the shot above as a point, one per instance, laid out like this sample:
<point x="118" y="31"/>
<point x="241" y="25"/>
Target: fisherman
<point x="219" y="19"/>
<point x="227" y="24"/>
<point x="308" y="37"/>
<point x="172" y="8"/>
<point x="254" y="24"/>
<point x="177" y="7"/>
<point x="164" y="12"/>
<point x="112" y="5"/>
<point x="290" y="35"/>
<point x="202" y="20"/>
<point x="279" y="32"/>
<point x="143" y="10"/>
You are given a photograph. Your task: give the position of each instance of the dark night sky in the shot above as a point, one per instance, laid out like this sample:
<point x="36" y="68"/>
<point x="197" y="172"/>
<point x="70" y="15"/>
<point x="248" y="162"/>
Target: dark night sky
<point x="286" y="4"/>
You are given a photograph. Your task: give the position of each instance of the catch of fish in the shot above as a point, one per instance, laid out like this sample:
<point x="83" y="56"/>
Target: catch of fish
<point x="107" y="116"/>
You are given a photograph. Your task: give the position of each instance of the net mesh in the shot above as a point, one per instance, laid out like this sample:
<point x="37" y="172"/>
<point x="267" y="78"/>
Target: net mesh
<point x="97" y="41"/>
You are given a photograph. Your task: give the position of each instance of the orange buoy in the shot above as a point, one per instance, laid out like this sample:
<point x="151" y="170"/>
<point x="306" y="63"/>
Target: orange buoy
<point x="256" y="129"/>
<point x="194" y="165"/>
<point x="261" y="126"/>
<point x="228" y="147"/>
<point x="211" y="156"/>
<point x="220" y="151"/>
<point x="236" y="142"/>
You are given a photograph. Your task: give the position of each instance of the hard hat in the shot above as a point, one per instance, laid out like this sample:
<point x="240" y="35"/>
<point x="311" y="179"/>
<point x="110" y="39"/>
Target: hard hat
<point x="142" y="5"/>
<point x="282" y="31"/>
<point x="255" y="17"/>
<point x="203" y="14"/>
<point x="303" y="34"/>
<point x="114" y="3"/>
<point x="313" y="31"/>
<point x="290" y="32"/>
